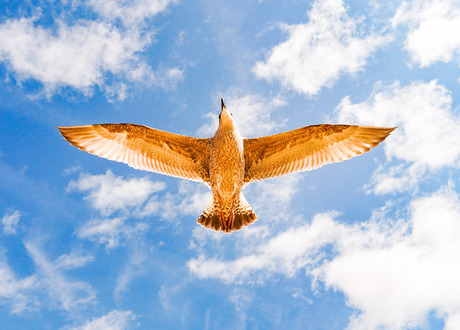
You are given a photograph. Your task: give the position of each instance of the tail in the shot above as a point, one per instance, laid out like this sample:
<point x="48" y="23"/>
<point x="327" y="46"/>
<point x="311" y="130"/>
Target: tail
<point x="242" y="215"/>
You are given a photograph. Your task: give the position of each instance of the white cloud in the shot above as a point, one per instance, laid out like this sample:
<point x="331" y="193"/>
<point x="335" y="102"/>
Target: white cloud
<point x="398" y="284"/>
<point x="111" y="231"/>
<point x="393" y="272"/>
<point x="252" y="115"/>
<point x="129" y="12"/>
<point x="73" y="260"/>
<point x="10" y="222"/>
<point x="108" y="193"/>
<point x="426" y="137"/>
<point x="87" y="53"/>
<point x="190" y="199"/>
<point x="433" y="30"/>
<point x="317" y="53"/>
<point x="79" y="56"/>
<point x="114" y="320"/>
<point x="132" y="199"/>
<point x="285" y="253"/>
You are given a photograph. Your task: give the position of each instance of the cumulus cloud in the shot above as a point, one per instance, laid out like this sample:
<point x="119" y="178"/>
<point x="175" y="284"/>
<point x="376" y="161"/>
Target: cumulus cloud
<point x="124" y="202"/>
<point x="394" y="272"/>
<point x="114" y="320"/>
<point x="285" y="253"/>
<point x="88" y="52"/>
<point x="79" y="56"/>
<point x="432" y="30"/>
<point x="10" y="222"/>
<point x="398" y="283"/>
<point x="252" y="115"/>
<point x="426" y="137"/>
<point x="317" y="53"/>
<point x="108" y="193"/>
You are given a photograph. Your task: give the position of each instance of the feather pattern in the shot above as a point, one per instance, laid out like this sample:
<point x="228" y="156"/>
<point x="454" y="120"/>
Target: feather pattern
<point x="307" y="148"/>
<point x="144" y="148"/>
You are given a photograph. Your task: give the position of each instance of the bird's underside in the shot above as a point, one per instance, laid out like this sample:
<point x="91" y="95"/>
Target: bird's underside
<point x="299" y="150"/>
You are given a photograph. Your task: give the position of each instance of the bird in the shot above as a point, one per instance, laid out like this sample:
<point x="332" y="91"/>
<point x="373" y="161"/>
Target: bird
<point x="225" y="162"/>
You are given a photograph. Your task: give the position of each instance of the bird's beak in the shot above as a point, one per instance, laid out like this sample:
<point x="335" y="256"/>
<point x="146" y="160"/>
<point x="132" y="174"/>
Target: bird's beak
<point x="222" y="105"/>
<point x="225" y="116"/>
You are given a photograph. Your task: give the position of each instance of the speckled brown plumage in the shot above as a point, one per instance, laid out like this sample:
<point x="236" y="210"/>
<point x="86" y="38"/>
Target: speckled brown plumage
<point x="226" y="162"/>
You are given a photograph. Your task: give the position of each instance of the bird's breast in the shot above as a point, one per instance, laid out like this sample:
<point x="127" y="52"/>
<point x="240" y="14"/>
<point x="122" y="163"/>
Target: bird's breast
<point x="226" y="163"/>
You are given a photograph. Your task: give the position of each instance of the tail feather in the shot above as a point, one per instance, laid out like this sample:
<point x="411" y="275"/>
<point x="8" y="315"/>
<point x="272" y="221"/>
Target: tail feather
<point x="242" y="215"/>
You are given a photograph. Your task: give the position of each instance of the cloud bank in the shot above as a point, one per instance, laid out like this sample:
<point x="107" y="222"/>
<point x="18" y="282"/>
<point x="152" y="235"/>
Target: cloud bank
<point x="394" y="272"/>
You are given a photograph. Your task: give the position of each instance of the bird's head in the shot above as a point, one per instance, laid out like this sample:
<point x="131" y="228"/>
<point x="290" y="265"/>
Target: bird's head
<point x="225" y="116"/>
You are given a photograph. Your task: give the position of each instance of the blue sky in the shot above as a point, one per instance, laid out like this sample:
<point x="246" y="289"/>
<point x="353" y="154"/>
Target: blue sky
<point x="369" y="243"/>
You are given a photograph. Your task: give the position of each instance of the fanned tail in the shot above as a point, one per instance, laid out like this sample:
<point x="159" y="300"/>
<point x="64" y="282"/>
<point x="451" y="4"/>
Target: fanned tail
<point x="242" y="215"/>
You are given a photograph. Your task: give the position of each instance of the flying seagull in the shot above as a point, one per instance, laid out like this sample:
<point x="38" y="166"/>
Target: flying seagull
<point x="225" y="162"/>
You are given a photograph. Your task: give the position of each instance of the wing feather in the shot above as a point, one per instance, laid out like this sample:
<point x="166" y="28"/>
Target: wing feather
<point x="307" y="148"/>
<point x="144" y="148"/>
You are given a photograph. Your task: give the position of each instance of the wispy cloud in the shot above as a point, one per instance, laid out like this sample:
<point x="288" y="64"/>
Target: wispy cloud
<point x="48" y="286"/>
<point x="73" y="260"/>
<point x="432" y="30"/>
<point x="69" y="294"/>
<point x="10" y="222"/>
<point x="16" y="292"/>
<point x="393" y="271"/>
<point x="111" y="232"/>
<point x="134" y="267"/>
<point x="317" y="53"/>
<point x="426" y="137"/>
<point x="114" y="320"/>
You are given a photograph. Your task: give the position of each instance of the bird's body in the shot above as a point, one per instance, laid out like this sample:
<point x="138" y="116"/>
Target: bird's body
<point x="225" y="162"/>
<point x="226" y="168"/>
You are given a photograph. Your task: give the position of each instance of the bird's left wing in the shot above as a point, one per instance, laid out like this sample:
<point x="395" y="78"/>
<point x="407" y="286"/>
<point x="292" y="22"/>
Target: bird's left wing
<point x="144" y="148"/>
<point x="307" y="148"/>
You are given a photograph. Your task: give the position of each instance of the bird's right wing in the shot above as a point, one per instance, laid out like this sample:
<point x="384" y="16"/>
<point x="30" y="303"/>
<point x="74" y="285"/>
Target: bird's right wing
<point x="307" y="148"/>
<point x="144" y="148"/>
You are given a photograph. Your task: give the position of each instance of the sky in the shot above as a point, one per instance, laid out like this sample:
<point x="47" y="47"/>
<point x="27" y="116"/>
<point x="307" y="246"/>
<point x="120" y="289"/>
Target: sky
<point x="369" y="243"/>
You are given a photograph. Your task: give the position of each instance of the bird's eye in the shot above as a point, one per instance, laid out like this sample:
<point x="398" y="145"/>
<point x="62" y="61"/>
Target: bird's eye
<point x="231" y="114"/>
